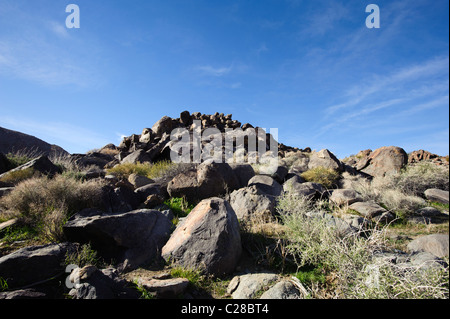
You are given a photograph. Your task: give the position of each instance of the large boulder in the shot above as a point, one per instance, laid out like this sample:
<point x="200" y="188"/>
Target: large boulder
<point x="208" y="239"/>
<point x="385" y="161"/>
<point x="131" y="239"/>
<point x="92" y="159"/>
<point x="138" y="180"/>
<point x="139" y="156"/>
<point x="300" y="164"/>
<point x="428" y="215"/>
<point x="164" y="125"/>
<point x="436" y="244"/>
<point x="372" y="211"/>
<point x="150" y="189"/>
<point x="249" y="202"/>
<point x="437" y="195"/>
<point x="266" y="185"/>
<point x="34" y="263"/>
<point x="120" y="199"/>
<point x="216" y="179"/>
<point x="146" y="136"/>
<point x="91" y="283"/>
<point x="325" y="158"/>
<point x="344" y="197"/>
<point x="421" y="155"/>
<point x="209" y="180"/>
<point x="165" y="288"/>
<point x="297" y="186"/>
<point x="184" y="185"/>
<point x="368" y="209"/>
<point x="185" y="118"/>
<point x="284" y="289"/>
<point x="243" y="172"/>
<point x="247" y="286"/>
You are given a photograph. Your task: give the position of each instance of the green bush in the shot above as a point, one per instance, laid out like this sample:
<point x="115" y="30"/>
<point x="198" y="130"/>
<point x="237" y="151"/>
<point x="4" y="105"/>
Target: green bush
<point x="179" y="206"/>
<point x="325" y="176"/>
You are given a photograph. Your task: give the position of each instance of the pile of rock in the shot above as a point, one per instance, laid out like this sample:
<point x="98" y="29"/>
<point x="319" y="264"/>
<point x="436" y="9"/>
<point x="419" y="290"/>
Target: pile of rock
<point x="134" y="229"/>
<point x="153" y="144"/>
<point x="421" y="155"/>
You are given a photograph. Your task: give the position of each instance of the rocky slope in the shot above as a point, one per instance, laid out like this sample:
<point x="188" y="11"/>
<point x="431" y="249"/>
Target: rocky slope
<point x="13" y="141"/>
<point x="131" y="228"/>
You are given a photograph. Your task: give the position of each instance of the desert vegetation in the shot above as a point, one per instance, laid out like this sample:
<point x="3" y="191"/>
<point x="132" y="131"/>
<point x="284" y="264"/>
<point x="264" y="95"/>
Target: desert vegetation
<point x="314" y="228"/>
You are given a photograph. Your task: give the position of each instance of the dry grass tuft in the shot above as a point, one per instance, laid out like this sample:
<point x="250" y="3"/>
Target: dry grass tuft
<point x="45" y="204"/>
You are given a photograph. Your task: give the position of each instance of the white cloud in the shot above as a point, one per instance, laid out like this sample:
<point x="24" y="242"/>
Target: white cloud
<point x="40" y="49"/>
<point x="58" y="28"/>
<point x="360" y="92"/>
<point x="214" y="71"/>
<point x="325" y="20"/>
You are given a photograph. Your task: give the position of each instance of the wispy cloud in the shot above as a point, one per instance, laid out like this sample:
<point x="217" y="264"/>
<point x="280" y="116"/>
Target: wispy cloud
<point x="214" y="71"/>
<point x="58" y="28"/>
<point x="361" y="92"/>
<point x="323" y="20"/>
<point x="404" y="93"/>
<point x="47" y="54"/>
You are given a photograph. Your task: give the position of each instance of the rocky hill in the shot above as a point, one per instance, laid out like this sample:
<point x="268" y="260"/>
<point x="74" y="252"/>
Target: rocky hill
<point x="127" y="222"/>
<point x="13" y="141"/>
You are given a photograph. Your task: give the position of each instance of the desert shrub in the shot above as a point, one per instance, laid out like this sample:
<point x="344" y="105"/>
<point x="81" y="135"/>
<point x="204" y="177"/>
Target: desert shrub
<point x="161" y="168"/>
<point x="416" y="179"/>
<point x="315" y="245"/>
<point x="155" y="170"/>
<point x="400" y="203"/>
<point x="20" y="157"/>
<point x="15" y="177"/>
<point x="384" y="191"/>
<point x="45" y="204"/>
<point x="126" y="169"/>
<point x="322" y="175"/>
<point x="65" y="163"/>
<point x="382" y="279"/>
<point x="83" y="256"/>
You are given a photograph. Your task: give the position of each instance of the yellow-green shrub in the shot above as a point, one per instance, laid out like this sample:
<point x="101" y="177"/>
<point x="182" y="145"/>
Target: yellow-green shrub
<point x="149" y="170"/>
<point x="322" y="175"/>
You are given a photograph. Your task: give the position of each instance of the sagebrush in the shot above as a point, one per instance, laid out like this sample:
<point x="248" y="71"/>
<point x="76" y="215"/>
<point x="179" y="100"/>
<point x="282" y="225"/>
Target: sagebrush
<point x="45" y="204"/>
<point x="348" y="259"/>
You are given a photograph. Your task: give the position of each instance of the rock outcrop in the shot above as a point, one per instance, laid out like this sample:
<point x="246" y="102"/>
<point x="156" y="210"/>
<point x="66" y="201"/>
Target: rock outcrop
<point x="136" y="224"/>
<point x="131" y="239"/>
<point x="208" y="239"/>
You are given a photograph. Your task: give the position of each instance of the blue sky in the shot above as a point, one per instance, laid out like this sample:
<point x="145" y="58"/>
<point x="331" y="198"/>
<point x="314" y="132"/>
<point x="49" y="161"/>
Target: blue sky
<point x="310" y="68"/>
